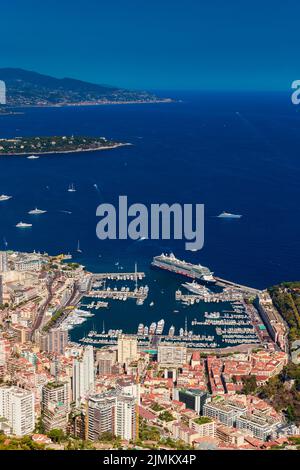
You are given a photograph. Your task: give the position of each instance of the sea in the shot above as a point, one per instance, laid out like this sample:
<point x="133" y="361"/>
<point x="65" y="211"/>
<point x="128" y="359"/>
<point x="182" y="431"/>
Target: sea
<point x="236" y="152"/>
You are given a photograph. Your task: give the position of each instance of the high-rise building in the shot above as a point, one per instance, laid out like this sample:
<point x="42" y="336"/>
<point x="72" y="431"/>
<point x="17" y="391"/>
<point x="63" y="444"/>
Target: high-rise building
<point x="172" y="354"/>
<point x="105" y="359"/>
<point x="2" y="92"/>
<point x="3" y="262"/>
<point x="17" y="407"/>
<point x="112" y="412"/>
<point x="83" y="379"/>
<point x="101" y="415"/>
<point x="55" y="392"/>
<point x="55" y="406"/>
<point x="4" y="351"/>
<point x="127" y="349"/>
<point x="55" y="341"/>
<point x="1" y="290"/>
<point x="126" y="417"/>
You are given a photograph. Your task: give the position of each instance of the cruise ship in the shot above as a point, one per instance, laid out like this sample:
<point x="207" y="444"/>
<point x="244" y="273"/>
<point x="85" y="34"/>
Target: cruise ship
<point x="195" y="271"/>
<point x="228" y="215"/>
<point x="4" y="197"/>
<point x="196" y="288"/>
<point x="36" y="211"/>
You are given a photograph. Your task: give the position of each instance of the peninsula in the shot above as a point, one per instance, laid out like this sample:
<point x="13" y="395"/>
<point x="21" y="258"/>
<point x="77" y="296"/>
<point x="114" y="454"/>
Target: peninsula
<point x="55" y="144"/>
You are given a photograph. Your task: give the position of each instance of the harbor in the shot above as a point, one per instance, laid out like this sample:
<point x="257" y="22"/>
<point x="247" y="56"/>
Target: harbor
<point x="199" y="313"/>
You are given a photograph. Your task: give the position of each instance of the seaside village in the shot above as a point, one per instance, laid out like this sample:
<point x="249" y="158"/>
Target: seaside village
<point x="172" y="397"/>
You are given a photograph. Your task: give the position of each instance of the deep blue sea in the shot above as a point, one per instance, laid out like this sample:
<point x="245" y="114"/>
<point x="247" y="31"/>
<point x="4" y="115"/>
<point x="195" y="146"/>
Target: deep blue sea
<point x="235" y="152"/>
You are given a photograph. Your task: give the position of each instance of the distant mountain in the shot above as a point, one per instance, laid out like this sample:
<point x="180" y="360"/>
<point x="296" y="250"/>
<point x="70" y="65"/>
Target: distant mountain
<point x="25" y="88"/>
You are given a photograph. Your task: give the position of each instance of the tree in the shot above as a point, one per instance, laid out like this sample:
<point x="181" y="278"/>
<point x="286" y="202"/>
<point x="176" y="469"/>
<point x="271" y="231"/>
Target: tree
<point x="56" y="435"/>
<point x="249" y="384"/>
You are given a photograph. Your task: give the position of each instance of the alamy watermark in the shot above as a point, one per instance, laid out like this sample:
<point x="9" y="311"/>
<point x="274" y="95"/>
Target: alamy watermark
<point x="296" y="94"/>
<point x="158" y="222"/>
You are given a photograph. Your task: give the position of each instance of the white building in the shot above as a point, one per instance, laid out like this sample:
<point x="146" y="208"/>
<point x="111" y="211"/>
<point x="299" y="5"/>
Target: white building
<point x="111" y="412"/>
<point x="3" y="261"/>
<point x="2" y="92"/>
<point x="126" y="417"/>
<point x="83" y="375"/>
<point x="17" y="407"/>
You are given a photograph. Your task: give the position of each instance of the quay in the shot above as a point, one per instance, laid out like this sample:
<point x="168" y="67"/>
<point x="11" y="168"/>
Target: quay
<point x="220" y="297"/>
<point x="118" y="276"/>
<point x="115" y="294"/>
<point x="244" y="289"/>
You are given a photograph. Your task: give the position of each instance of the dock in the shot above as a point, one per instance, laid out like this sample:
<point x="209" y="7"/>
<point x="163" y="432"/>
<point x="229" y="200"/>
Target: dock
<point x="119" y="276"/>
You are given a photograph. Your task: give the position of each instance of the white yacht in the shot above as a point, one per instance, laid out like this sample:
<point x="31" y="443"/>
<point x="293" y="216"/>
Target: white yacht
<point x="71" y="188"/>
<point x="33" y="157"/>
<point x="4" y="197"/>
<point x="36" y="211"/>
<point x="23" y="225"/>
<point x="228" y="215"/>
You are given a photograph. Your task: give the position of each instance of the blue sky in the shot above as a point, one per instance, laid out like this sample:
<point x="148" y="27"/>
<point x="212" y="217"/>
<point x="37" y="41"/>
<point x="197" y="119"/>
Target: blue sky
<point x="186" y="44"/>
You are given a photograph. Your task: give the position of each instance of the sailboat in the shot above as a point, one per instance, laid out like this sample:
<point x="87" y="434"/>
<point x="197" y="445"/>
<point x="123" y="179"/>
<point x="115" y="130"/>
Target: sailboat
<point x="78" y="248"/>
<point x="71" y="188"/>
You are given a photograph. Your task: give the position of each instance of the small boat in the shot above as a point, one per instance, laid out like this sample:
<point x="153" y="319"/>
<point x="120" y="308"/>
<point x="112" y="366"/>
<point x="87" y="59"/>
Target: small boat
<point x="71" y="188"/>
<point x="4" y="197"/>
<point x="33" y="157"/>
<point x="78" y="248"/>
<point x="151" y="304"/>
<point x="36" y="211"/>
<point x="228" y="215"/>
<point x="23" y="225"/>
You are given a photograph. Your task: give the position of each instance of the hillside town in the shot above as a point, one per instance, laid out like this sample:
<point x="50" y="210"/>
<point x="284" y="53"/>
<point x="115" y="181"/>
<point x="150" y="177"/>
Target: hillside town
<point x="61" y="394"/>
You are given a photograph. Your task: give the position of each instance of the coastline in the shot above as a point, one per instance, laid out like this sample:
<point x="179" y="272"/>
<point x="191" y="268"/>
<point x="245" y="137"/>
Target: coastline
<point x="96" y="103"/>
<point x="66" y="151"/>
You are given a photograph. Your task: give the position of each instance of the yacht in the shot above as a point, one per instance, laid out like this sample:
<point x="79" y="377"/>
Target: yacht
<point x="36" y="211"/>
<point x="4" y="197"/>
<point x="71" y="188"/>
<point x="172" y="330"/>
<point x="160" y="327"/>
<point x="33" y="157"/>
<point x="152" y="328"/>
<point x="78" y="248"/>
<point x="228" y="215"/>
<point x="23" y="225"/>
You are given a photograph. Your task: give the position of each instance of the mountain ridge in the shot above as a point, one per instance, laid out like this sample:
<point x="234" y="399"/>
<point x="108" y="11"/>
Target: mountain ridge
<point x="29" y="88"/>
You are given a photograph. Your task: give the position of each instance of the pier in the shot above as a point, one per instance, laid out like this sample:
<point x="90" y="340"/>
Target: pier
<point x="120" y="276"/>
<point x="225" y="296"/>
<point x="244" y="289"/>
<point x="115" y="294"/>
